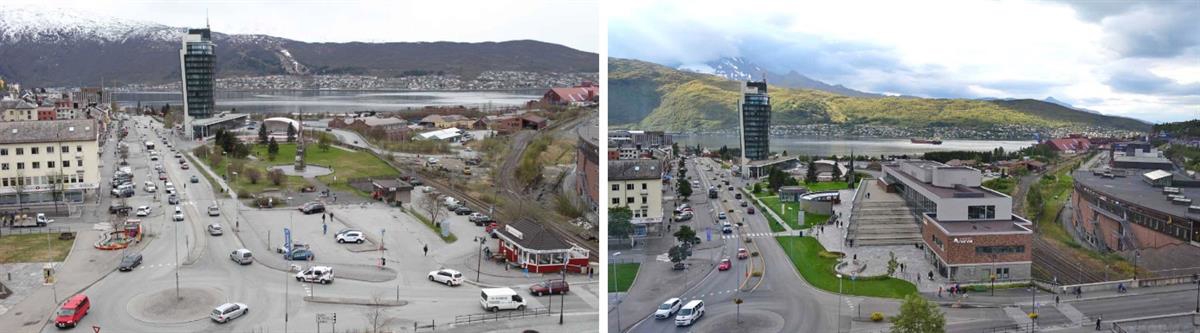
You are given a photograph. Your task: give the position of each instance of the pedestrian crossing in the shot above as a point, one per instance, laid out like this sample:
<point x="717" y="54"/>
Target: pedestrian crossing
<point x="759" y="235"/>
<point x="140" y="267"/>
<point x="307" y="289"/>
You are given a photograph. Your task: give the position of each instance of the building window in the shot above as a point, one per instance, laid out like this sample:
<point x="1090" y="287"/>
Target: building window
<point x="981" y="212"/>
<point x="645" y="186"/>
<point x="3" y="166"/>
<point x="616" y="201"/>
<point x="616" y="187"/>
<point x="999" y="249"/>
<point x="629" y="186"/>
<point x="66" y="164"/>
<point x="79" y="163"/>
<point x="20" y="165"/>
<point x="65" y="149"/>
<point x="938" y="242"/>
<point x="33" y="150"/>
<point x="20" y="151"/>
<point x="3" y="151"/>
<point x="644" y="200"/>
<point x="49" y="149"/>
<point x="50" y="164"/>
<point x="79" y="149"/>
<point x="35" y="165"/>
<point x="629" y="200"/>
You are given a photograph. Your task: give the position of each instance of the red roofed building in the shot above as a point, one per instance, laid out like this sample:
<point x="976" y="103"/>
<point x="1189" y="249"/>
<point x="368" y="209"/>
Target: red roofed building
<point x="1070" y="145"/>
<point x="583" y="94"/>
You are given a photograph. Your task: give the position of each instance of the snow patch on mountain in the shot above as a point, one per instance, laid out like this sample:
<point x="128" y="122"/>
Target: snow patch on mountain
<point x="48" y="24"/>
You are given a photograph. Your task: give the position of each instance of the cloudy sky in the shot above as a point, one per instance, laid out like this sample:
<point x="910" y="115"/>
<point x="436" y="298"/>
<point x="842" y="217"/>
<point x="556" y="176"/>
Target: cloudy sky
<point x="1140" y="60"/>
<point x="574" y="23"/>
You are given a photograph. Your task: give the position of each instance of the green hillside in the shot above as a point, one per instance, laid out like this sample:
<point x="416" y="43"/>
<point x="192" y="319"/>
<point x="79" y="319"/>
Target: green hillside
<point x="655" y="97"/>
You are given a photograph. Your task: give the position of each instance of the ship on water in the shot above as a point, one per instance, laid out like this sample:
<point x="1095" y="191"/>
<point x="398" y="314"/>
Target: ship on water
<point x="926" y="141"/>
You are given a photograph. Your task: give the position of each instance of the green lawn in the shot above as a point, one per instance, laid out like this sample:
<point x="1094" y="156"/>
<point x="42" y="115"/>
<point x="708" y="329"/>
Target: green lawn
<point x="825" y="186"/>
<point x="792" y="217"/>
<point x="1002" y="185"/>
<point x="345" y="164"/>
<point x="818" y="271"/>
<point x="621" y="276"/>
<point x="450" y="237"/>
<point x="1055" y="193"/>
<point x="33" y="248"/>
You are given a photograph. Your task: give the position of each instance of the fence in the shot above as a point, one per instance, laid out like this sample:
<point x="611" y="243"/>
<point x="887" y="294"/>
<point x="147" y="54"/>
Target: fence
<point x="41" y="230"/>
<point x="1186" y="322"/>
<point x="1011" y="328"/>
<point x="496" y="316"/>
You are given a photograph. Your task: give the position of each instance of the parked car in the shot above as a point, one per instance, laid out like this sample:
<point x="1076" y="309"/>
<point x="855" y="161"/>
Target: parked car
<point x="743" y="253"/>
<point x="72" y="311"/>
<point x="214" y="210"/>
<point x="479" y="219"/>
<point x="550" y="287"/>
<point x="300" y="254"/>
<point x="463" y="210"/>
<point x="312" y="208"/>
<point x="119" y="209"/>
<point x="215" y="229"/>
<point x="446" y="276"/>
<point x="725" y="265"/>
<point x="690" y="313"/>
<point x="241" y="256"/>
<point x="317" y="274"/>
<point x="668" y="308"/>
<point x="143" y="211"/>
<point x="350" y="236"/>
<point x="228" y="311"/>
<point x="129" y="262"/>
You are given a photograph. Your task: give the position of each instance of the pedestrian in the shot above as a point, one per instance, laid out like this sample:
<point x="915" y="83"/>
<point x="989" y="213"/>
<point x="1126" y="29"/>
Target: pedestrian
<point x="426" y="250"/>
<point x="1098" y="319"/>
<point x="868" y="195"/>
<point x="1055" y="299"/>
<point x="324" y="228"/>
<point x="322" y="217"/>
<point x="939" y="291"/>
<point x="918" y="278"/>
<point x="930" y="275"/>
<point x="331" y="216"/>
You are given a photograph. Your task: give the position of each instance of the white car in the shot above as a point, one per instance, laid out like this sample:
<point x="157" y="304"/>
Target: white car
<point x="215" y="229"/>
<point x="214" y="210"/>
<point x="143" y="211"/>
<point x="433" y="160"/>
<point x="178" y="214"/>
<point x="446" y="276"/>
<point x="350" y="236"/>
<point x="151" y="188"/>
<point x="668" y="308"/>
<point x="228" y="311"/>
<point x="319" y="274"/>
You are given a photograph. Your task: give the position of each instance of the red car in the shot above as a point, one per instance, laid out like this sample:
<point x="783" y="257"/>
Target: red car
<point x="725" y="265"/>
<point x="162" y="176"/>
<point x="72" y="311"/>
<point x="743" y="254"/>
<point x="750" y="210"/>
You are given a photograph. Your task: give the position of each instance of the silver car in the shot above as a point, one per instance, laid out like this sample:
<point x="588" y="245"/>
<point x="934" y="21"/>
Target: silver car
<point x="215" y="229"/>
<point x="228" y="311"/>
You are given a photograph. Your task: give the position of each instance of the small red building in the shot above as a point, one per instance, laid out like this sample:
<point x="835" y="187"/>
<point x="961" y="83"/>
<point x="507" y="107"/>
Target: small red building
<point x="532" y="247"/>
<point x="583" y="94"/>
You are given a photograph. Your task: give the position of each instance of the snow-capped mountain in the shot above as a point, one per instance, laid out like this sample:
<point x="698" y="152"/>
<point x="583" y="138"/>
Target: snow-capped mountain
<point x="57" y="47"/>
<point x="740" y="69"/>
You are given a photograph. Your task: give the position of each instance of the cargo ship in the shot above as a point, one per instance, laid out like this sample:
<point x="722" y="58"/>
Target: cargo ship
<point x="926" y="141"/>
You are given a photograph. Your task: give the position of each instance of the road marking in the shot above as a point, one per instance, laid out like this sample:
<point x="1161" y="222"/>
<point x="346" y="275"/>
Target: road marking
<point x="663" y="257"/>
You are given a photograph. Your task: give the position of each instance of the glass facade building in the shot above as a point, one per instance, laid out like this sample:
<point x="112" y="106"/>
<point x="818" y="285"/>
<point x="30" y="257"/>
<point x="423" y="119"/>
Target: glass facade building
<point x="755" y="112"/>
<point x="198" y="61"/>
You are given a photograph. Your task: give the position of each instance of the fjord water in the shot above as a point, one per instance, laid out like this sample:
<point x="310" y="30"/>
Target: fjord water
<point x="826" y="146"/>
<point x="337" y="100"/>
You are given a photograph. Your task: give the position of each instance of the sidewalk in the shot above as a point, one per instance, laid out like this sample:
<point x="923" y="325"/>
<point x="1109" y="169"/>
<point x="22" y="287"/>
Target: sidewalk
<point x="1023" y="297"/>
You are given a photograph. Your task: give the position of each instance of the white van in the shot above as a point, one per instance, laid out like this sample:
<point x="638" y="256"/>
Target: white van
<point x="318" y="274"/>
<point x="451" y="202"/>
<point x="496" y="299"/>
<point x="242" y="256"/>
<point x="690" y="313"/>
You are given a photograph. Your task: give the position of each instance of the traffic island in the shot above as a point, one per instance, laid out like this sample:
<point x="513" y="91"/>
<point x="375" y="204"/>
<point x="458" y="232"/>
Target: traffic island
<point x="164" y="307"/>
<point x="751" y="321"/>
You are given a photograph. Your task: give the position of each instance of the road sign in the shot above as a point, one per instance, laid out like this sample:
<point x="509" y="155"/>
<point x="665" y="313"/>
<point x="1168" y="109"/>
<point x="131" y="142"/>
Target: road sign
<point x="708" y="233"/>
<point x="95" y="329"/>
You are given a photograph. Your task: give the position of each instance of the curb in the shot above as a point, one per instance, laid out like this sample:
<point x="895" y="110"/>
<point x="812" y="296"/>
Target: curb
<point x="353" y="301"/>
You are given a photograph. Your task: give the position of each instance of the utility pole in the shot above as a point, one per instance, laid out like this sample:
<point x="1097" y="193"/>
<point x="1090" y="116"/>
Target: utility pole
<point x="839" y="320"/>
<point x="176" y="251"/>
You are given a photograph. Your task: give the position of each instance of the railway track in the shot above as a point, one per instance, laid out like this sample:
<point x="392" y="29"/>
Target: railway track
<point x="1052" y="263"/>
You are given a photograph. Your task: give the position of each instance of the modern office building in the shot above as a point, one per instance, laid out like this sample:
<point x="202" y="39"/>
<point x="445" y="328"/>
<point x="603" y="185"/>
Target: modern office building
<point x="754" y="118"/>
<point x="638" y="185"/>
<point x="969" y="231"/>
<point x="197" y="64"/>
<point x="48" y="161"/>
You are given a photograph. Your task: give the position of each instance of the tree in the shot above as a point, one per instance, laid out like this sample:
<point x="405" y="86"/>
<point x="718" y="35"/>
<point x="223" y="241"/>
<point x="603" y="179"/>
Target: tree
<point x="918" y="316"/>
<point x="850" y="175"/>
<point x="432" y="205"/>
<point x="374" y="314"/>
<point x="215" y="158"/>
<point x="253" y="175"/>
<point x="686" y="235"/>
<point x="272" y="149"/>
<point x="674" y="149"/>
<point x="200" y="152"/>
<point x="892" y="264"/>
<point x="757" y="188"/>
<point x="811" y="175"/>
<point x="291" y="133"/>
<point x="619" y="226"/>
<point x="1033" y="202"/>
<point x="685" y="189"/>
<point x="276" y="176"/>
<point x="679" y="252"/>
<point x="235" y="168"/>
<point x="323" y="142"/>
<point x="262" y="134"/>
<point x="837" y="172"/>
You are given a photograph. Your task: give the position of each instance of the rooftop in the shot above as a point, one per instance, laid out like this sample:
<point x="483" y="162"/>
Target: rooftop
<point x="48" y="131"/>
<point x="220" y="119"/>
<point x="532" y="236"/>
<point x="1132" y="189"/>
<point x="944" y="192"/>
<point x="1016" y="225"/>
<point x="634" y="170"/>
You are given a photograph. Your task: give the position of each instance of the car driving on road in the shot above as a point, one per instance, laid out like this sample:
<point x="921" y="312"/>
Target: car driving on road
<point x="178" y="214"/>
<point x="349" y="236"/>
<point x="215" y="229"/>
<point x="228" y="311"/>
<point x="317" y="274"/>
<point x="550" y="287"/>
<point x="214" y="210"/>
<point x="742" y="253"/>
<point x="668" y="308"/>
<point x="446" y="276"/>
<point x="129" y="262"/>
<point x="725" y="265"/>
<point x="143" y="211"/>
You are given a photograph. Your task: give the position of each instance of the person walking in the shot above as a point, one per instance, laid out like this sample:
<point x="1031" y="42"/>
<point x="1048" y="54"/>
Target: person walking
<point x="939" y="291"/>
<point x="426" y="248"/>
<point x="324" y="228"/>
<point x="322" y="217"/>
<point x="1055" y="299"/>
<point x="1098" y="320"/>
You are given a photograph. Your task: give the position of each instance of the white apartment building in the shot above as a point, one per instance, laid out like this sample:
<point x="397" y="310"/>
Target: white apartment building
<point x="637" y="184"/>
<point x="46" y="161"/>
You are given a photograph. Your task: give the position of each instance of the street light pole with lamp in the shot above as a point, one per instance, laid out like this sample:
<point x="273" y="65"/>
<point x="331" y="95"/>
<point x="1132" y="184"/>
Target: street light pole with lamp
<point x="839" y="316"/>
<point x="613" y="270"/>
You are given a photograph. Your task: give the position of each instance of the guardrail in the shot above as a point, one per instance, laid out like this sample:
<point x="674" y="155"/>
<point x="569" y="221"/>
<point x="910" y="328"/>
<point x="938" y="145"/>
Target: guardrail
<point x="36" y="230"/>
<point x="497" y="316"/>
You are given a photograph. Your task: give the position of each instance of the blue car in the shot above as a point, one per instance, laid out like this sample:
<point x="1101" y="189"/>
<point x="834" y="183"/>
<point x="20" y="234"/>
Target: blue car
<point x="300" y="254"/>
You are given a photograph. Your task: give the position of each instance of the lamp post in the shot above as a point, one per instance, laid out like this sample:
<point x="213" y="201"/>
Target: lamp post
<point x="839" y="320"/>
<point x="993" y="274"/>
<point x="613" y="269"/>
<point x="1136" y="254"/>
<point x="1196" y="277"/>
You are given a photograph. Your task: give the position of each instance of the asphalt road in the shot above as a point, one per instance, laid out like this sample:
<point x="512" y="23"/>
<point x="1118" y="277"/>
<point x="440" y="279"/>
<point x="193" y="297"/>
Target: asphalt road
<point x="783" y="300"/>
<point x="143" y="300"/>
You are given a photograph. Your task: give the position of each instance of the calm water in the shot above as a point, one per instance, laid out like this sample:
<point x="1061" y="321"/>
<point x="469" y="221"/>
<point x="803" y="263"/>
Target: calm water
<point x="336" y="101"/>
<point x="826" y="146"/>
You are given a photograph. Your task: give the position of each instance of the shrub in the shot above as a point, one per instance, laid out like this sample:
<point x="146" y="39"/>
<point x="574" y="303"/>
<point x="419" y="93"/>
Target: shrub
<point x="1033" y="315"/>
<point x="754" y="254"/>
<point x="876" y="316"/>
<point x="757" y="273"/>
<point x="748" y="241"/>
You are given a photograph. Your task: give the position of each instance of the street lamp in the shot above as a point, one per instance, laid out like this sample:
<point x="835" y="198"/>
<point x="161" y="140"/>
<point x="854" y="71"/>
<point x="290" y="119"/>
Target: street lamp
<point x="993" y="274"/>
<point x="839" y="316"/>
<point x="1196" y="277"/>
<point x="613" y="269"/>
<point x="1136" y="254"/>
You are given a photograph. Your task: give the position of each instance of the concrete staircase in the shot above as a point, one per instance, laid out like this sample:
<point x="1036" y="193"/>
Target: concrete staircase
<point x="884" y="223"/>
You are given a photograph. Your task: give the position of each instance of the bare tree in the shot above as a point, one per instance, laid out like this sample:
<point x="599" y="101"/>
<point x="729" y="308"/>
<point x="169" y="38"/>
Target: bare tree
<point x="253" y="175"/>
<point x="276" y="176"/>
<point x="20" y="189"/>
<point x="433" y="204"/>
<point x="375" y="315"/>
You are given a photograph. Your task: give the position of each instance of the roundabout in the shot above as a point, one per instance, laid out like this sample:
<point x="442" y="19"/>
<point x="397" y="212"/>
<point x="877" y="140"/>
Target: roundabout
<point x="163" y="307"/>
<point x="751" y="321"/>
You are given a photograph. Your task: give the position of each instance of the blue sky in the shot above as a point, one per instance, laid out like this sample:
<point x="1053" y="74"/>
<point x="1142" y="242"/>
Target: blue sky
<point x="1134" y="59"/>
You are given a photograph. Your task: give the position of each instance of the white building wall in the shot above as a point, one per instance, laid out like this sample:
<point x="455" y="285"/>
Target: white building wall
<point x="646" y="194"/>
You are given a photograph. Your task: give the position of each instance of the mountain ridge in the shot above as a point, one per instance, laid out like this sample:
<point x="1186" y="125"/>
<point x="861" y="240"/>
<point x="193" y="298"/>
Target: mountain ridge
<point x="655" y="97"/>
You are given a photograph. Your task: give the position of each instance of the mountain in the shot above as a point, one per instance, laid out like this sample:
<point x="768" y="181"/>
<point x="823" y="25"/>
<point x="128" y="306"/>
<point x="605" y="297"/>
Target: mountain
<point x="739" y="69"/>
<point x="56" y="47"/>
<point x="655" y="97"/>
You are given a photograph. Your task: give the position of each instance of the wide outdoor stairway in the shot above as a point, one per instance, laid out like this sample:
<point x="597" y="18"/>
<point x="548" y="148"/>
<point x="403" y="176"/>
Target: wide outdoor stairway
<point x="883" y="222"/>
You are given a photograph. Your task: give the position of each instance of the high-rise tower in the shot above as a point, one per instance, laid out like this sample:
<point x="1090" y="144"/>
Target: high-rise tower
<point x="754" y="113"/>
<point x="197" y="64"/>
